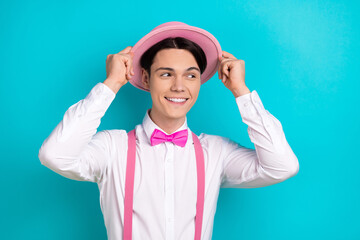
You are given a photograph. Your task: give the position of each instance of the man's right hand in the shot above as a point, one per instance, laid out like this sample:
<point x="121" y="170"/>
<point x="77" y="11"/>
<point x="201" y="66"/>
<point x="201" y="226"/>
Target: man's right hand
<point x="119" y="69"/>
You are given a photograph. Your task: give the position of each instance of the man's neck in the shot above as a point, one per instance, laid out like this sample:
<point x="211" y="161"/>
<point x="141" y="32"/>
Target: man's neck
<point x="169" y="125"/>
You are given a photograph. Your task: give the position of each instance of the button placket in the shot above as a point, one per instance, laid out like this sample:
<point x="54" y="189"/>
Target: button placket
<point x="169" y="190"/>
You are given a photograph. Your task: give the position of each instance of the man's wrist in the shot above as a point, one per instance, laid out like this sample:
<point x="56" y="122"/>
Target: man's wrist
<point x="114" y="86"/>
<point x="240" y="91"/>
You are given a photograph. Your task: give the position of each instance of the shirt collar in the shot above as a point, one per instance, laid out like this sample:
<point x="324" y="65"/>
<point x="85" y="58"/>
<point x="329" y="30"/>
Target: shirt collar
<point x="149" y="127"/>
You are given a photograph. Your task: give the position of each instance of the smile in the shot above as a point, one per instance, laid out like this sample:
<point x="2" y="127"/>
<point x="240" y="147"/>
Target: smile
<point x="179" y="101"/>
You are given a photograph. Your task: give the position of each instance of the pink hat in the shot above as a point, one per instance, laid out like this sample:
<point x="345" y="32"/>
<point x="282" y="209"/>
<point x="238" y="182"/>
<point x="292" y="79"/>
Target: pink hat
<point x="204" y="39"/>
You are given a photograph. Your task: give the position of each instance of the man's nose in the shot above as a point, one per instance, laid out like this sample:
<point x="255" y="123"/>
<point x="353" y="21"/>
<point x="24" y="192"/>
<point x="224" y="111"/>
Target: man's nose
<point x="178" y="84"/>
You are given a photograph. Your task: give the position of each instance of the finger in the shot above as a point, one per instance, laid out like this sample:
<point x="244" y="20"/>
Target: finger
<point x="221" y="64"/>
<point x="219" y="68"/>
<point x="132" y="68"/>
<point x="219" y="71"/>
<point x="127" y="65"/>
<point x="224" y="78"/>
<point x="126" y="50"/>
<point x="228" y="55"/>
<point x="225" y="69"/>
<point x="128" y="76"/>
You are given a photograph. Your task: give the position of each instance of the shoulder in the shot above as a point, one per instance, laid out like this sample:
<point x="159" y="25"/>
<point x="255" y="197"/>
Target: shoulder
<point x="216" y="146"/>
<point x="118" y="135"/>
<point x="111" y="136"/>
<point x="112" y="132"/>
<point x="211" y="140"/>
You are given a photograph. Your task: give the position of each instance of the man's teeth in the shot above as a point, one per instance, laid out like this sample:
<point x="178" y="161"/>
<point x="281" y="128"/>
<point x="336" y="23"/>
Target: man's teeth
<point x="177" y="99"/>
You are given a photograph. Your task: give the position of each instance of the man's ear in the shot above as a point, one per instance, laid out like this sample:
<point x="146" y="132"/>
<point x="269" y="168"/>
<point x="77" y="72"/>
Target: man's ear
<point x="145" y="78"/>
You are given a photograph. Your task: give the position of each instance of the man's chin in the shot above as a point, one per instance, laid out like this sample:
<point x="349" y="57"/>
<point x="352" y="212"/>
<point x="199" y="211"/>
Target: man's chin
<point x="176" y="115"/>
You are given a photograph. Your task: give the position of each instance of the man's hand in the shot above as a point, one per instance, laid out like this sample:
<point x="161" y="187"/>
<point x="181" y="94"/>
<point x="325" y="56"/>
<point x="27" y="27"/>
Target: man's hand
<point x="232" y="73"/>
<point x="119" y="69"/>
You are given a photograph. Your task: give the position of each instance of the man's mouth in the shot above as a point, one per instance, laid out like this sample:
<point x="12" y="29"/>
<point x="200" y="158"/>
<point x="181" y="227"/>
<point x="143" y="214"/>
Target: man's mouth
<point x="177" y="100"/>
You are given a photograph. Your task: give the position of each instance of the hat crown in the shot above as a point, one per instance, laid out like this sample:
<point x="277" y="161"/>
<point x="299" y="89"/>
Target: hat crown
<point x="203" y="38"/>
<point x="173" y="23"/>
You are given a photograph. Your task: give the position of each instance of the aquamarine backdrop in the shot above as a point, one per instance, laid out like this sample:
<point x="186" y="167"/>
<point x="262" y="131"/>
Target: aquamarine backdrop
<point x="302" y="57"/>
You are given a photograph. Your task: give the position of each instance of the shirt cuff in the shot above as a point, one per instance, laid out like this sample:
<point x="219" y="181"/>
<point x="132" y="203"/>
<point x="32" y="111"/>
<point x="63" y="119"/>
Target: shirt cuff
<point x="250" y="104"/>
<point x="243" y="98"/>
<point x="101" y="95"/>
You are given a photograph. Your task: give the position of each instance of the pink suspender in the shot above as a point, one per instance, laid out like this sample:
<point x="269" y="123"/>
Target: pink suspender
<point x="200" y="166"/>
<point x="129" y="186"/>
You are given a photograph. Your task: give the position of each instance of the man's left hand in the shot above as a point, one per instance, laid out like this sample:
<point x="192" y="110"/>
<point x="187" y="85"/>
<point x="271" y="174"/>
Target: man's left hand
<point x="232" y="73"/>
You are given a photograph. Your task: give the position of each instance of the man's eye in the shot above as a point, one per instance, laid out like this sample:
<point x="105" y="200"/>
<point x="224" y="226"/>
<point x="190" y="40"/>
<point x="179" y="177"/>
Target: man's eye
<point x="164" y="73"/>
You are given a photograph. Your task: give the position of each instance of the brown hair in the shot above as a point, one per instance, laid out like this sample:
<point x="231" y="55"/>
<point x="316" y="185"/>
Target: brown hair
<point x="147" y="58"/>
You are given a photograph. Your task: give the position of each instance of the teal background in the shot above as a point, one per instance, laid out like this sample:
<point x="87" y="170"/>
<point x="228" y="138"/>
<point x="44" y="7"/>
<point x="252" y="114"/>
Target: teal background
<point x="302" y="57"/>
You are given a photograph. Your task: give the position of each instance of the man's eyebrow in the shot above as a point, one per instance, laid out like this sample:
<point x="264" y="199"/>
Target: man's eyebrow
<point x="171" y="69"/>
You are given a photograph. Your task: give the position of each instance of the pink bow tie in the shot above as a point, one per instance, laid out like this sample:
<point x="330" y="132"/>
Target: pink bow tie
<point x="179" y="138"/>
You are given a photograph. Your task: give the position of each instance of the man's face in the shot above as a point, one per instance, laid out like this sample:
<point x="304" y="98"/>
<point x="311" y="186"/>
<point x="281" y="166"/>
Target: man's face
<point x="174" y="74"/>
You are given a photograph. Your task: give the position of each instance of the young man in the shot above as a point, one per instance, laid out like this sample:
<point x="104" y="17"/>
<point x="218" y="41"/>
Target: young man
<point x="169" y="187"/>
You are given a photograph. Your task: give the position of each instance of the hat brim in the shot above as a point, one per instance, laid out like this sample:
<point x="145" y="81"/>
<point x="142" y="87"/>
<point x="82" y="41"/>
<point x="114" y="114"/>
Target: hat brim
<point x="204" y="39"/>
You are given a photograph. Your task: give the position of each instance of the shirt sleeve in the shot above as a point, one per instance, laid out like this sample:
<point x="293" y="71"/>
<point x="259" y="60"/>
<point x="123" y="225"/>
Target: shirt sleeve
<point x="271" y="162"/>
<point x="74" y="149"/>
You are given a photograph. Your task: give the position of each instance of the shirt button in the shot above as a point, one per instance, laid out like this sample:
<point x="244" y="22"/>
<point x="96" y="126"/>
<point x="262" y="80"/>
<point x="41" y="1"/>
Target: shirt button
<point x="98" y="90"/>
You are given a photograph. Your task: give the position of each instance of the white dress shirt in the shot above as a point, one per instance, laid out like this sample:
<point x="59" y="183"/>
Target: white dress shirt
<point x="165" y="184"/>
